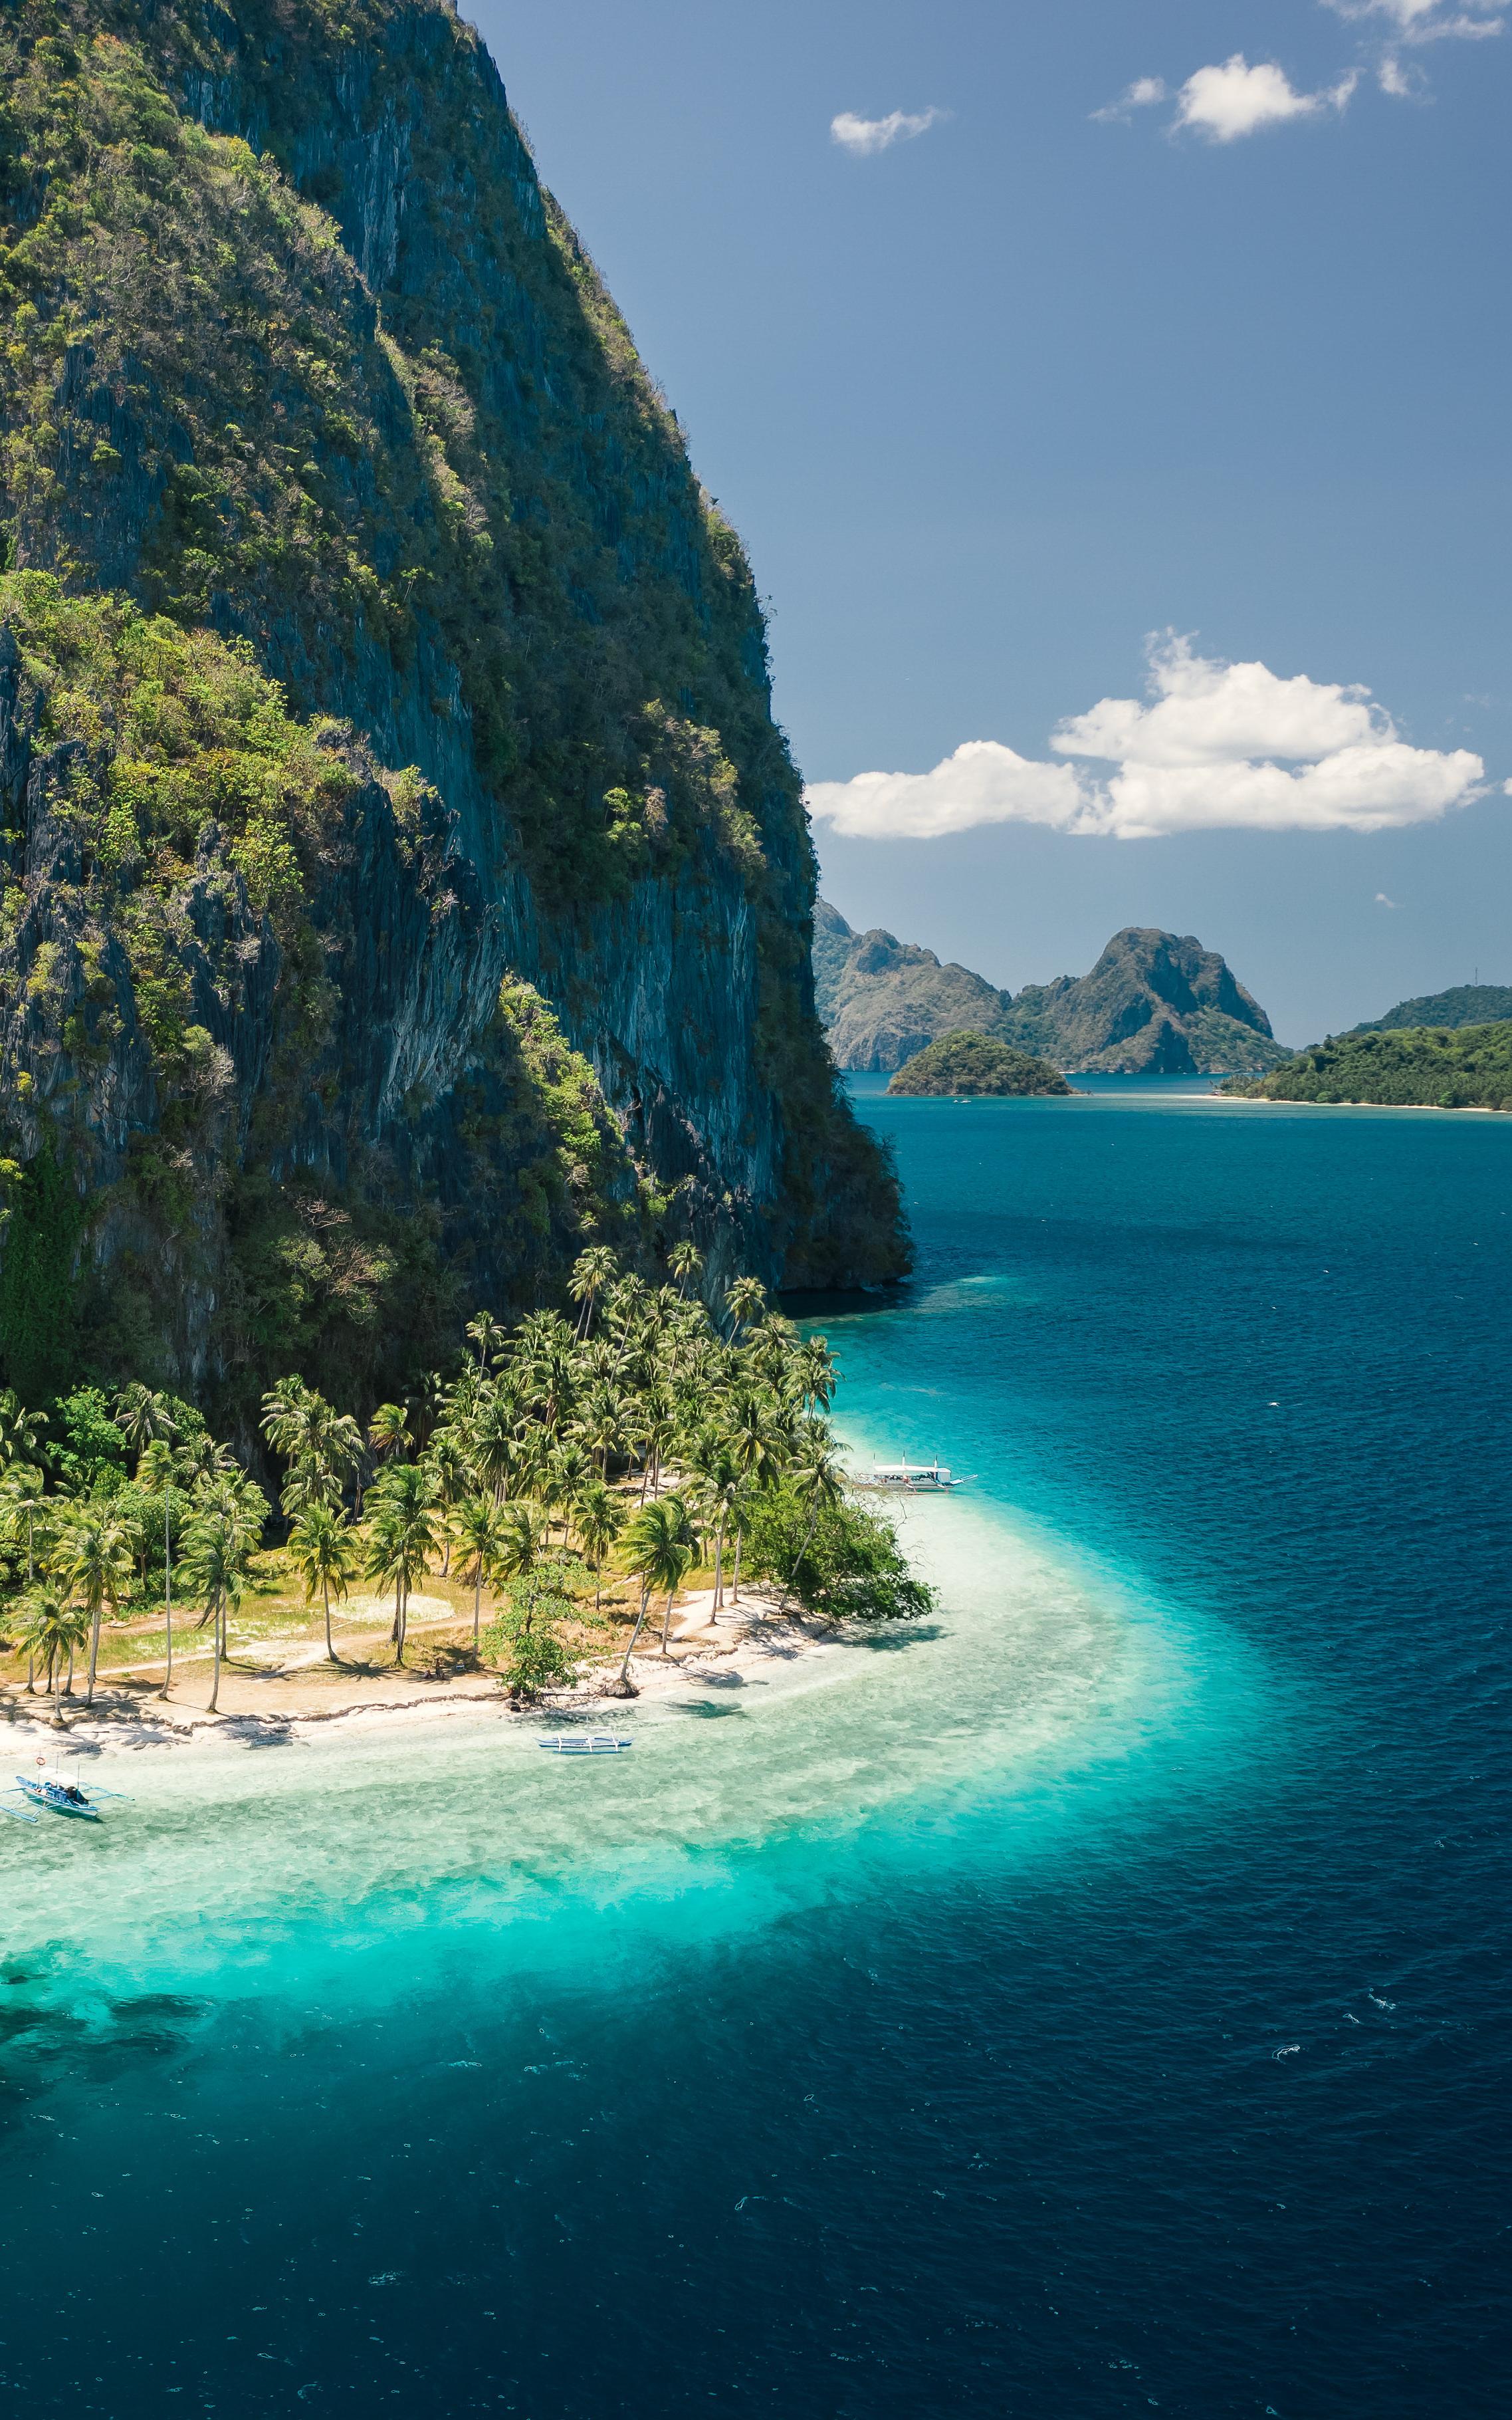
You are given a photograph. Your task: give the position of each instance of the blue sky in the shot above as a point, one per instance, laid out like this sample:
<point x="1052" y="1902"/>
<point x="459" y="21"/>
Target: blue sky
<point x="998" y="393"/>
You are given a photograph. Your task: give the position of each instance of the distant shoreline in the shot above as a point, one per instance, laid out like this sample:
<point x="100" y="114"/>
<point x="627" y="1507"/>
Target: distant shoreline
<point x="1276" y="1101"/>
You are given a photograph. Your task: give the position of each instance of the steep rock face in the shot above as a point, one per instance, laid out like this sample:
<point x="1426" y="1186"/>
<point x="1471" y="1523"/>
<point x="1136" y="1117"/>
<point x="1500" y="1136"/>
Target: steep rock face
<point x="302" y="352"/>
<point x="1155" y="1004"/>
<point x="883" y="1000"/>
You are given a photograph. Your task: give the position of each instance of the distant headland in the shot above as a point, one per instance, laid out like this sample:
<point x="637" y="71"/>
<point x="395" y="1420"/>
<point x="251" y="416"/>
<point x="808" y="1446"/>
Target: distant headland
<point x="1155" y="1004"/>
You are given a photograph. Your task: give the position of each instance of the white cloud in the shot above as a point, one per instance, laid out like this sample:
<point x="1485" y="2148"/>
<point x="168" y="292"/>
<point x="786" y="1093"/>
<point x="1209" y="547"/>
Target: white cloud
<point x="1428" y="20"/>
<point x="1223" y="102"/>
<point x="1219" y="747"/>
<point x="863" y="135"/>
<point x="983" y="782"/>
<point x="1382" y="900"/>
<point x="1142" y="94"/>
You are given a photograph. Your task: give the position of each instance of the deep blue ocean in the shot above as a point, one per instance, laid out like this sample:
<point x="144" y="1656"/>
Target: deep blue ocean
<point x="1091" y="2003"/>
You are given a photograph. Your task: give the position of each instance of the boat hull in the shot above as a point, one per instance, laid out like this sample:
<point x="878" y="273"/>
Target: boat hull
<point x="55" y="1804"/>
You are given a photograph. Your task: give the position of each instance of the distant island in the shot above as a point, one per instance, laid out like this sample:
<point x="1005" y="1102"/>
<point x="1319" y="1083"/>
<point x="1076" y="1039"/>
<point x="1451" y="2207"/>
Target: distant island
<point x="1466" y="1004"/>
<point x="975" y="1063"/>
<point x="1155" y="1004"/>
<point x="1428" y="1067"/>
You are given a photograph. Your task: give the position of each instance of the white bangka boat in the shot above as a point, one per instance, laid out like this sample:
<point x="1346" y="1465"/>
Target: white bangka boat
<point x="585" y="1744"/>
<point x="914" y="1478"/>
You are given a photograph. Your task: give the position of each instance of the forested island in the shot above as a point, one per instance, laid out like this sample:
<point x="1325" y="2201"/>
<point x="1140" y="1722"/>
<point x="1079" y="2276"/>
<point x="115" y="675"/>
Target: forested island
<point x="975" y="1064"/>
<point x="1437" y="1067"/>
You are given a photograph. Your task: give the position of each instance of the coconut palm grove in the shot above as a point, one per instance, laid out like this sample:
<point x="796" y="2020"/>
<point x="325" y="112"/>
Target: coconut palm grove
<point x="573" y="1471"/>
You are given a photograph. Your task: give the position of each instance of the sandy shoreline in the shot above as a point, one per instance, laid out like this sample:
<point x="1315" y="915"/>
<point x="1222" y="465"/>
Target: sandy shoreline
<point x="1269" y="1101"/>
<point x="296" y="1698"/>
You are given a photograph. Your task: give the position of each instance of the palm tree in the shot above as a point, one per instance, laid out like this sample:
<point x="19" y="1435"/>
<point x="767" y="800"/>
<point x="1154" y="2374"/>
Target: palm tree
<point x="322" y="1446"/>
<point x="488" y="1334"/>
<point x="686" y="1262"/>
<point x="520" y="1540"/>
<point x="475" y="1528"/>
<point x="93" y="1560"/>
<point x="598" y="1516"/>
<point x="814" y="1369"/>
<point x="52" y="1630"/>
<point x="402" y="1537"/>
<point x="719" y="1482"/>
<point x="448" y="1464"/>
<point x="655" y="1430"/>
<point x="217" y="1550"/>
<point x="816" y="1480"/>
<point x="658" y="1548"/>
<point x="324" y="1553"/>
<point x="745" y="1302"/>
<point x="388" y="1430"/>
<point x="496" y="1444"/>
<point x="154" y="1471"/>
<point x="592" y="1272"/>
<point x="569" y="1471"/>
<point x="599" y="1425"/>
<point x="17" y="1428"/>
<point x="142" y="1416"/>
<point x="200" y="1458"/>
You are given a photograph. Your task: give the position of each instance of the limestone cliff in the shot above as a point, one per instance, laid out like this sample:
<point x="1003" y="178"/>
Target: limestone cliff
<point x="1155" y="1004"/>
<point x="301" y="355"/>
<point x="882" y="1000"/>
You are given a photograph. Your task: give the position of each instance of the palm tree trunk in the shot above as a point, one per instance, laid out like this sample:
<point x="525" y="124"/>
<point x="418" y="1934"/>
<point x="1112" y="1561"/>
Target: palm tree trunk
<point x="215" y="1658"/>
<point x="94" y="1653"/>
<point x="666" y="1618"/>
<point x="325" y="1598"/>
<point x="808" y="1541"/>
<point x="718" y="1575"/>
<point x="401" y="1608"/>
<point x="68" y="1684"/>
<point x="477" y="1606"/>
<point x="167" y="1593"/>
<point x="31" y="1674"/>
<point x="624" y="1668"/>
<point x="734" y="1593"/>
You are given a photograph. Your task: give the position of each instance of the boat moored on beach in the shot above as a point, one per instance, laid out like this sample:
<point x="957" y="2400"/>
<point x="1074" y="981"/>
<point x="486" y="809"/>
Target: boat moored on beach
<point x="907" y="1478"/>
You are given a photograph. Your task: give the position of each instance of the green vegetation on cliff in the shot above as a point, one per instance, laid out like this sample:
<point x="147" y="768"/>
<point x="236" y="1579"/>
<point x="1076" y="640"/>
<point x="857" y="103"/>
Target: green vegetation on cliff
<point x="405" y="879"/>
<point x="1438" y="1068"/>
<point x="1466" y="1004"/>
<point x="974" y="1062"/>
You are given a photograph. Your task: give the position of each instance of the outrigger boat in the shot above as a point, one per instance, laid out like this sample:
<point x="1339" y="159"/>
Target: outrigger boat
<point x="58" y="1795"/>
<point x="585" y="1744"/>
<point x="907" y="1478"/>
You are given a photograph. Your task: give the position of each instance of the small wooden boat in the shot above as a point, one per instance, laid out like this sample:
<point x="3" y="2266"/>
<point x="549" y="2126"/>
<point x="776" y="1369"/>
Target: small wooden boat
<point x="585" y="1744"/>
<point x="912" y="1479"/>
<point x="59" y="1797"/>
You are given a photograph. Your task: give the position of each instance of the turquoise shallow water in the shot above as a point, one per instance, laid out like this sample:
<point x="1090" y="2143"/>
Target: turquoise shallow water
<point x="1086" y="2004"/>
